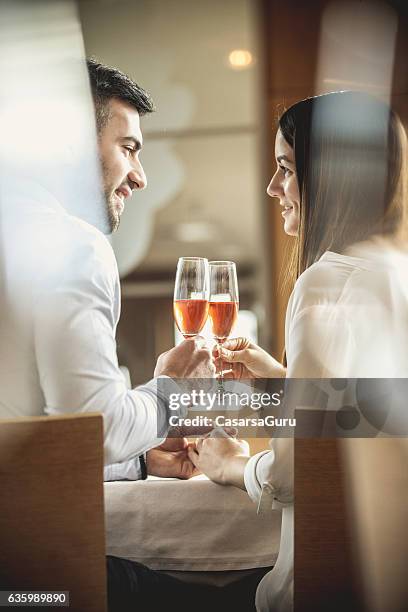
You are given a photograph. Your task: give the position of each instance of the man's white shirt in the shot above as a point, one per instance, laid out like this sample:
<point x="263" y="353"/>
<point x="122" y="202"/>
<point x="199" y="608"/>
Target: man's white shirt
<point x="60" y="305"/>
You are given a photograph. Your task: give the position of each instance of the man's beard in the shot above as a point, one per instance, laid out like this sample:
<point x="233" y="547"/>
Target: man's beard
<point x="109" y="194"/>
<point x="112" y="211"/>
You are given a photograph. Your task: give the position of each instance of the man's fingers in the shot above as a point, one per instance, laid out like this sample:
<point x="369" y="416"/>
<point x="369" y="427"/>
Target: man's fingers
<point x="224" y="432"/>
<point x="173" y="444"/>
<point x="197" y="431"/>
<point x="200" y="342"/>
<point x="231" y="431"/>
<point x="186" y="431"/>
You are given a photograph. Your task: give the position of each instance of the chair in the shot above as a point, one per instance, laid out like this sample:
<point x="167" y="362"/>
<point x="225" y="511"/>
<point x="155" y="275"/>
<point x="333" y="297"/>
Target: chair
<point x="52" y="534"/>
<point x="325" y="573"/>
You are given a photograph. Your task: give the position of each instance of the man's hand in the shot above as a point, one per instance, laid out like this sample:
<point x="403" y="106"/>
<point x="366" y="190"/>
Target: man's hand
<point x="171" y="460"/>
<point x="223" y="460"/>
<point x="183" y="431"/>
<point x="241" y="358"/>
<point x="190" y="359"/>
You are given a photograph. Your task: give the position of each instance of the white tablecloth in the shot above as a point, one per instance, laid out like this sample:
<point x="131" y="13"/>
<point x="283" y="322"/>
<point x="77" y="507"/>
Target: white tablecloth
<point x="193" y="525"/>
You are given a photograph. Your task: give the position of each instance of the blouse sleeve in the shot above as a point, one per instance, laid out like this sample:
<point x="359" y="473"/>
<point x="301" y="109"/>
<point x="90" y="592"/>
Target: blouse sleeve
<point x="269" y="475"/>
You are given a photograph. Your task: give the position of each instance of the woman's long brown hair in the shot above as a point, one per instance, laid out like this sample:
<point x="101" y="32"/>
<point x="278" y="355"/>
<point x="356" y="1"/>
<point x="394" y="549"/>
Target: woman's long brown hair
<point x="350" y="151"/>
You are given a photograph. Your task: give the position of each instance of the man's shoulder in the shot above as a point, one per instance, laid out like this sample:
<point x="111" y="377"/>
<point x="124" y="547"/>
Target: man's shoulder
<point x="89" y="237"/>
<point x="43" y="244"/>
<point x="85" y="248"/>
<point x="63" y="248"/>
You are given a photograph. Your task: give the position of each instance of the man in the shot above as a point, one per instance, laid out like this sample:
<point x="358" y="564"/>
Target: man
<point x="119" y="103"/>
<point x="58" y="349"/>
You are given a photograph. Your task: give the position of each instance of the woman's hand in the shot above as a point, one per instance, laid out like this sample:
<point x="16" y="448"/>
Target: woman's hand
<point x="223" y="460"/>
<point x="241" y="358"/>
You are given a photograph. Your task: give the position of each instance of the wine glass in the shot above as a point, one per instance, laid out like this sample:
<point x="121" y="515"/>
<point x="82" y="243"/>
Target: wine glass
<point x="191" y="292"/>
<point x="224" y="303"/>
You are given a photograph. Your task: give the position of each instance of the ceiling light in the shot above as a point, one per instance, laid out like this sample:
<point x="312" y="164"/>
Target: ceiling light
<point x="239" y="59"/>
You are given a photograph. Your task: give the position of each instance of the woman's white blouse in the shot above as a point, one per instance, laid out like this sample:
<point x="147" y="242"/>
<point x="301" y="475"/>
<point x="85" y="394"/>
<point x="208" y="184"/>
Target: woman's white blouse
<point x="347" y="317"/>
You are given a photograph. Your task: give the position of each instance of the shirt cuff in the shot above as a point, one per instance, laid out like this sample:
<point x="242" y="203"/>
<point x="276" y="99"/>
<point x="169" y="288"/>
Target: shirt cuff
<point x="252" y="484"/>
<point x="143" y="467"/>
<point x="264" y="484"/>
<point x="127" y="470"/>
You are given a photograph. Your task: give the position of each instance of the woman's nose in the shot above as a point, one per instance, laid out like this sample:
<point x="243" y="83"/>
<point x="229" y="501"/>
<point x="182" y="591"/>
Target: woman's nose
<point x="274" y="188"/>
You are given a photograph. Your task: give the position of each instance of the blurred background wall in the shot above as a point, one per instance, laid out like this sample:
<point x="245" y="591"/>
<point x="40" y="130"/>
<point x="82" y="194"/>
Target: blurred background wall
<point x="220" y="73"/>
<point x="201" y="62"/>
<point x="313" y="48"/>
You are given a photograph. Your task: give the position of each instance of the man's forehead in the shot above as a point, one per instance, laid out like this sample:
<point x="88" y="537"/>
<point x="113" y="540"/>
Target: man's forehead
<point x="125" y="118"/>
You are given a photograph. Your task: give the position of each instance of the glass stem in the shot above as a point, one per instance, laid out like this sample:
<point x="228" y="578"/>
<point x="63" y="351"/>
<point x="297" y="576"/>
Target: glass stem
<point x="221" y="376"/>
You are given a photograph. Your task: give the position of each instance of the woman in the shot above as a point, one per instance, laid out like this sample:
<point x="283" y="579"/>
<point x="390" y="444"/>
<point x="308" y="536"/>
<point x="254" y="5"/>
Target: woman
<point x="339" y="180"/>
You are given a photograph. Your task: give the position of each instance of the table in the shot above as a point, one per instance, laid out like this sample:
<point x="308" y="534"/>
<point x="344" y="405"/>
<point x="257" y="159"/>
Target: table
<point x="189" y="526"/>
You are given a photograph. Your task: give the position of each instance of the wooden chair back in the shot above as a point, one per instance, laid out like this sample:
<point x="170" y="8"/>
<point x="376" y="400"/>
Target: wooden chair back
<point x="52" y="534"/>
<point x="325" y="576"/>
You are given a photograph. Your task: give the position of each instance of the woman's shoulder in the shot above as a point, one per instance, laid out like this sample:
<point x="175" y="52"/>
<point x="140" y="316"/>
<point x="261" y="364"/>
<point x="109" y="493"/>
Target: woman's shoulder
<point x="324" y="281"/>
<point x="328" y="281"/>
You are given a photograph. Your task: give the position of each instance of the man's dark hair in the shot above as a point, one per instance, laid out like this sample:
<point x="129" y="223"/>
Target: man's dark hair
<point x="109" y="83"/>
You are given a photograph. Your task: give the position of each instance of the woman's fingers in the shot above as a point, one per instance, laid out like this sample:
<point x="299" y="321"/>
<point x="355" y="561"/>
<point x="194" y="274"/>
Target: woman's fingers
<point x="198" y="444"/>
<point x="223" y="366"/>
<point x="232" y="371"/>
<point x="233" y="344"/>
<point x="234" y="356"/>
<point x="193" y="456"/>
<point x="228" y="375"/>
<point x="236" y="344"/>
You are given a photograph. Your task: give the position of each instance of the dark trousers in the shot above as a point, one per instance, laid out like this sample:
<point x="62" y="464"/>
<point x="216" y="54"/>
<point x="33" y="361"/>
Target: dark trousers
<point x="133" y="587"/>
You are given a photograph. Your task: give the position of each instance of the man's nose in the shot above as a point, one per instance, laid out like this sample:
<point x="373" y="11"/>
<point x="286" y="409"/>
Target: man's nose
<point x="137" y="177"/>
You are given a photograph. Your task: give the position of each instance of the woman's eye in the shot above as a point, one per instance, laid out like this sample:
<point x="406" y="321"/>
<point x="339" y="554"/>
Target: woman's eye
<point x="286" y="171"/>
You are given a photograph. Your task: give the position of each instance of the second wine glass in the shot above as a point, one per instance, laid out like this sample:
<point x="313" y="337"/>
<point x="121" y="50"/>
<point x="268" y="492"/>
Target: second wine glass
<point x="224" y="302"/>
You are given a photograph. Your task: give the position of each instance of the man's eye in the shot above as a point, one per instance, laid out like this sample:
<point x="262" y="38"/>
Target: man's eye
<point x="130" y="149"/>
